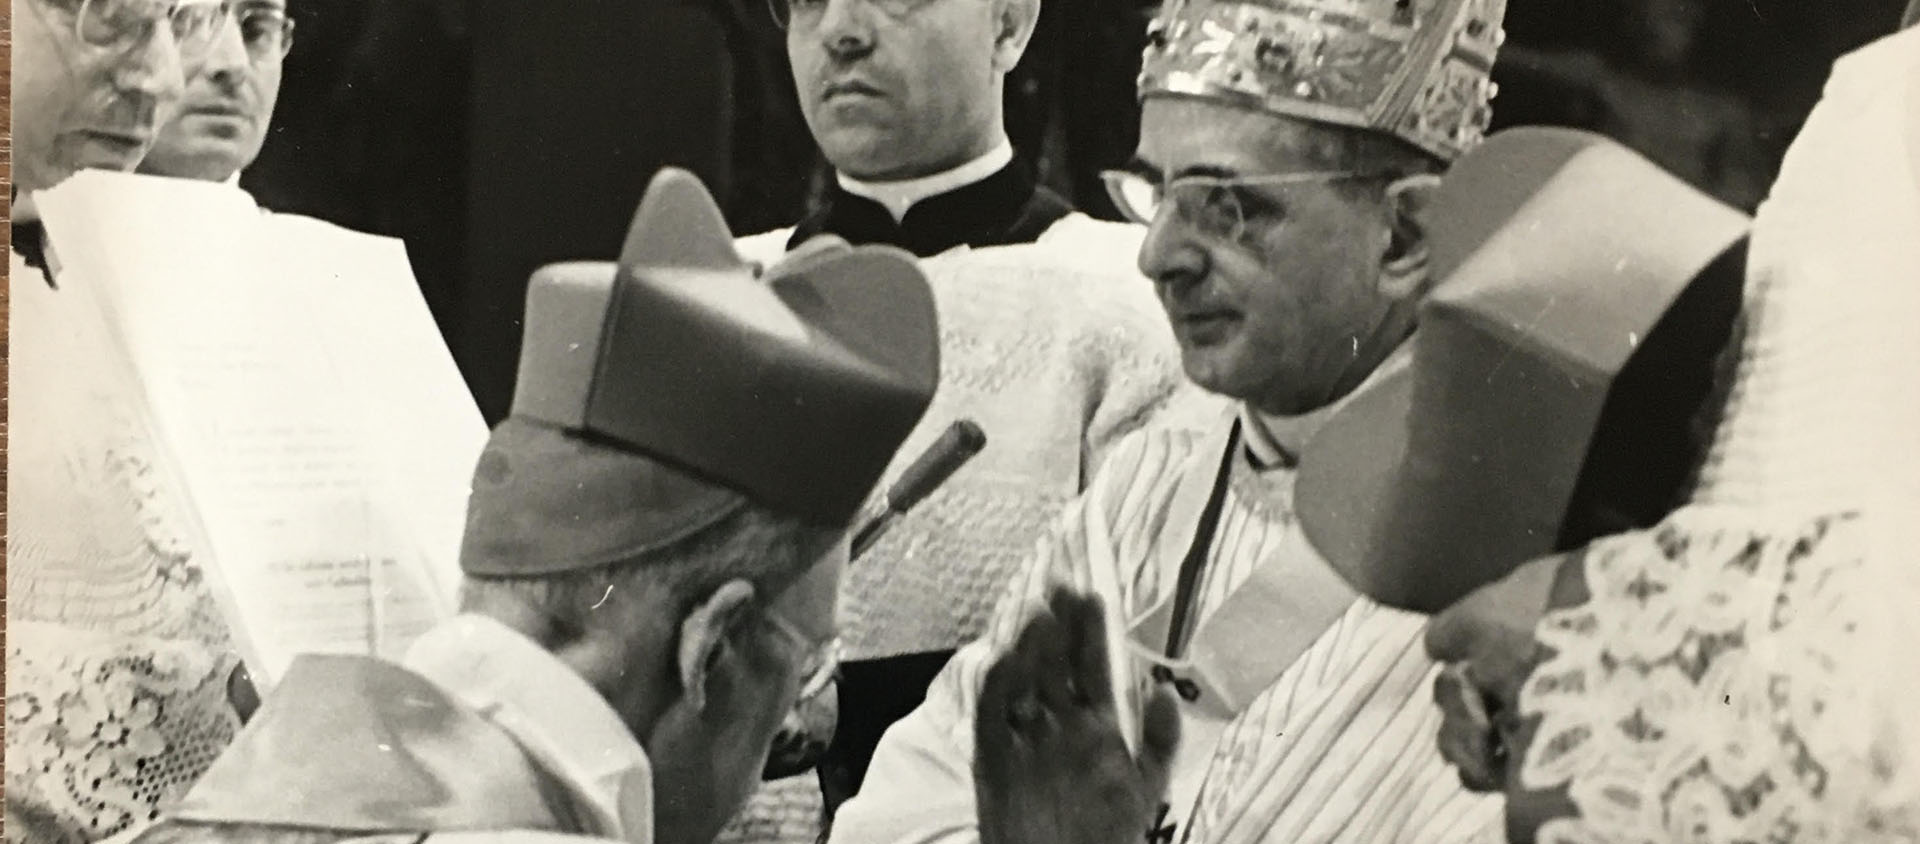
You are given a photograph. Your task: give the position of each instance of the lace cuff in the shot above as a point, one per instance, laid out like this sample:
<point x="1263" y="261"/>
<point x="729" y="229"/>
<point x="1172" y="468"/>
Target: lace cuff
<point x="1724" y="683"/>
<point x="104" y="733"/>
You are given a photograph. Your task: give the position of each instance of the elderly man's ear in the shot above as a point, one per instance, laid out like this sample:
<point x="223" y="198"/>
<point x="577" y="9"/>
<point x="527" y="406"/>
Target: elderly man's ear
<point x="1404" y="272"/>
<point x="704" y="638"/>
<point x="1014" y="21"/>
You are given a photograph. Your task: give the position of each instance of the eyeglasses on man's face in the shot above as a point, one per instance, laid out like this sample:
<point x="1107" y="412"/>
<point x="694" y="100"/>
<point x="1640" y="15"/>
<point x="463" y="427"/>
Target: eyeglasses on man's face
<point x="1215" y="207"/>
<point x="126" y="25"/>
<point x="806" y="14"/>
<point x="265" y="29"/>
<point x="819" y="661"/>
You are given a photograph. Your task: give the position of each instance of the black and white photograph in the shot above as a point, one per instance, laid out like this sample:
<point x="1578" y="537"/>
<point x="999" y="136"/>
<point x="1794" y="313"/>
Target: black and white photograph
<point x="962" y="422"/>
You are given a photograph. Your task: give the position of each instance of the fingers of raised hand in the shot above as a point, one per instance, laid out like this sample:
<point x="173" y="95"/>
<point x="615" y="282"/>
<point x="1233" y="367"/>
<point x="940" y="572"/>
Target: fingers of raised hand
<point x="1159" y="740"/>
<point x="1043" y="644"/>
<point x="998" y="754"/>
<point x="1050" y="693"/>
<point x="1049" y="767"/>
<point x="1011" y="802"/>
<point x="1008" y="700"/>
<point x="1085" y="621"/>
<point x="1468" y="738"/>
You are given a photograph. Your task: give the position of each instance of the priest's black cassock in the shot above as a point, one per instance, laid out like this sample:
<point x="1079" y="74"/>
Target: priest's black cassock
<point x="1005" y="208"/>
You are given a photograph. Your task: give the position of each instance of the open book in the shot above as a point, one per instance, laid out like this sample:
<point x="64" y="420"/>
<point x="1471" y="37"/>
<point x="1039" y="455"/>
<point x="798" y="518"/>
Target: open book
<point x="301" y="399"/>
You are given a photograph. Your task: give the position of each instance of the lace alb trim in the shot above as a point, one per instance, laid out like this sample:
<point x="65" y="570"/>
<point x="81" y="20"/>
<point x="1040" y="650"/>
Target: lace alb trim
<point x="117" y="654"/>
<point x="104" y="733"/>
<point x="1714" y="690"/>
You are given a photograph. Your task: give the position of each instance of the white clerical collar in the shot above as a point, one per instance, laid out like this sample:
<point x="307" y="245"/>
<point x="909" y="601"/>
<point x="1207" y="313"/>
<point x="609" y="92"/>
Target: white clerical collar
<point x="22" y="209"/>
<point x="561" y="720"/>
<point x="1275" y="441"/>
<point x="899" y="196"/>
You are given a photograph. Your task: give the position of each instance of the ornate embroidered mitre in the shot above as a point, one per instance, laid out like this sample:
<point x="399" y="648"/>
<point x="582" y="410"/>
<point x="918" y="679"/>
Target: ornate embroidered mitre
<point x="1415" y="69"/>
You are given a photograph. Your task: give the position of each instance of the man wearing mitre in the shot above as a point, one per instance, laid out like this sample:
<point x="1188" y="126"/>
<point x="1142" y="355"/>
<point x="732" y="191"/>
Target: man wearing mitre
<point x="652" y="559"/>
<point x="1288" y="152"/>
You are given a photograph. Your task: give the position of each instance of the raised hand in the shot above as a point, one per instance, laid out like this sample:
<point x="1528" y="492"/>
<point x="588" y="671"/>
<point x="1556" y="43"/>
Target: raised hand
<point x="1050" y="763"/>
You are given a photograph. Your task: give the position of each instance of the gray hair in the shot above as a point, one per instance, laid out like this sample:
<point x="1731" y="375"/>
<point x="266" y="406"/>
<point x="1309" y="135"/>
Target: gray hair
<point x="1385" y="157"/>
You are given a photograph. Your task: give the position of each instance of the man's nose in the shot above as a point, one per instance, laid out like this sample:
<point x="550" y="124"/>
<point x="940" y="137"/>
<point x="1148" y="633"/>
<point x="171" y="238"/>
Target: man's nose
<point x="846" y="29"/>
<point x="153" y="70"/>
<point x="1169" y="255"/>
<point x="227" y="58"/>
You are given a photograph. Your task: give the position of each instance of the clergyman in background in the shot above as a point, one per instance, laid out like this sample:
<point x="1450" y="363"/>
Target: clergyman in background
<point x="1050" y="340"/>
<point x="223" y="117"/>
<point x="117" y="659"/>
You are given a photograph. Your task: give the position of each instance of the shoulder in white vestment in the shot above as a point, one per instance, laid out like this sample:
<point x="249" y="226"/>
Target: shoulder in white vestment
<point x="1056" y="359"/>
<point x="1339" y="747"/>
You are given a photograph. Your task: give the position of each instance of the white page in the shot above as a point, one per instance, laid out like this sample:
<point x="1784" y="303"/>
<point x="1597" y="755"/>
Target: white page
<point x="313" y="416"/>
<point x="430" y="433"/>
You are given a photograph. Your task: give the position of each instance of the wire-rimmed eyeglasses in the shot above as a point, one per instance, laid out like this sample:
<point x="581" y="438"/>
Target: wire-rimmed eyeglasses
<point x="1214" y="206"/>
<point x="821" y="660"/>
<point x="124" y="25"/>
<point x="806" y="14"/>
<point x="266" y="30"/>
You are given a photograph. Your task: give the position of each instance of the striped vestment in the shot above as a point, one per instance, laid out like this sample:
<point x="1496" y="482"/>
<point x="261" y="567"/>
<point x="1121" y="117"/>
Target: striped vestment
<point x="1338" y="747"/>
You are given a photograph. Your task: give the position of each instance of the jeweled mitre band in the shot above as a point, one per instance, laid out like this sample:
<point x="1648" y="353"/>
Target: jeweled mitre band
<point x="1416" y="69"/>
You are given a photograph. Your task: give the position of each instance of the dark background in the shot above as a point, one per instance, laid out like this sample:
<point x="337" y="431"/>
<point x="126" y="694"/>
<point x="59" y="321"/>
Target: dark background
<point x="496" y="136"/>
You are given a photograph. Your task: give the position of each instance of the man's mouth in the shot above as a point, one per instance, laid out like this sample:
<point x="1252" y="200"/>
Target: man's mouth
<point x="1205" y="327"/>
<point x="849" y="88"/>
<point x="218" y="109"/>
<point x="127" y="143"/>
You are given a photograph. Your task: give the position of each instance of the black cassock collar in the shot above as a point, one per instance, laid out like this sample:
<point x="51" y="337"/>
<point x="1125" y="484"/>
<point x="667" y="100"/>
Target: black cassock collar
<point x="1006" y="207"/>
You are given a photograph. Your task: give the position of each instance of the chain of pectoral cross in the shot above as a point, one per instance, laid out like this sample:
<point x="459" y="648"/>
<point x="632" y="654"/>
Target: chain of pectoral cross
<point x="1185" y="600"/>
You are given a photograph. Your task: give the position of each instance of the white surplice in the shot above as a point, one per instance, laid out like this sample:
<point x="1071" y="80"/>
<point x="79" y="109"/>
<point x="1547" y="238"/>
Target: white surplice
<point x="1314" y="722"/>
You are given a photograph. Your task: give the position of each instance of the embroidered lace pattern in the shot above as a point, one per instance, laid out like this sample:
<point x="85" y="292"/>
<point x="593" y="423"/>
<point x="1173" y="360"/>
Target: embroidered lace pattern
<point x="117" y="655"/>
<point x="1726" y="684"/>
<point x="103" y="737"/>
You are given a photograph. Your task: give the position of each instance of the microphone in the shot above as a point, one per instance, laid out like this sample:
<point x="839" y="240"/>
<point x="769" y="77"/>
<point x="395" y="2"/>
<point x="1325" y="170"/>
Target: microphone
<point x="960" y="443"/>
